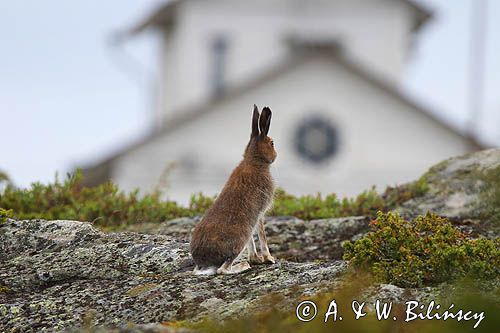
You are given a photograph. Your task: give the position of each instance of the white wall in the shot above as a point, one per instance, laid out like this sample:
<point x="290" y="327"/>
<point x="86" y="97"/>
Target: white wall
<point x="384" y="140"/>
<point x="376" y="33"/>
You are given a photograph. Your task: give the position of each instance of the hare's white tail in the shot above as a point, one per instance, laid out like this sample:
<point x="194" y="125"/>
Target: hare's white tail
<point x="205" y="271"/>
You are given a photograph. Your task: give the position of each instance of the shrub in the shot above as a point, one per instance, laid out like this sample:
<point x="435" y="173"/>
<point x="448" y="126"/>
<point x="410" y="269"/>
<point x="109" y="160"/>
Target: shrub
<point x="367" y="203"/>
<point x="110" y="208"/>
<point x="105" y="204"/>
<point x="394" y="196"/>
<point x="4" y="177"/>
<point x="425" y="251"/>
<point x="315" y="206"/>
<point x="5" y="214"/>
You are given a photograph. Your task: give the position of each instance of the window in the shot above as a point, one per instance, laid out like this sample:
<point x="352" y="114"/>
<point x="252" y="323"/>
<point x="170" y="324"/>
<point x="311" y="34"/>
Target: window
<point x="316" y="139"/>
<point x="218" y="54"/>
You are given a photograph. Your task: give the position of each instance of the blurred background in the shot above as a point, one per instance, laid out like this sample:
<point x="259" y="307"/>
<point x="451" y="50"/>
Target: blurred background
<point x="159" y="93"/>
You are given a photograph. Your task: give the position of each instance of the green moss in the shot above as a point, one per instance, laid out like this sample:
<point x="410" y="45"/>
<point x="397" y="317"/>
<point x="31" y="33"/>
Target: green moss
<point x="426" y="251"/>
<point x="437" y="168"/>
<point x="490" y="195"/>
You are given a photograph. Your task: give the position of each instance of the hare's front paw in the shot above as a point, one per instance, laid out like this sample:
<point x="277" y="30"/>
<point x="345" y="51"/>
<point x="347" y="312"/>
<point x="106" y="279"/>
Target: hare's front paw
<point x="269" y="259"/>
<point x="256" y="259"/>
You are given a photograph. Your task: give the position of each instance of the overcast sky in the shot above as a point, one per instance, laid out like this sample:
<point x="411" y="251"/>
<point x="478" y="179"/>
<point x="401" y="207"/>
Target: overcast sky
<point x="65" y="99"/>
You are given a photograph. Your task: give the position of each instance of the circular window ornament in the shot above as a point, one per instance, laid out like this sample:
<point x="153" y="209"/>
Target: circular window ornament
<point x="316" y="139"/>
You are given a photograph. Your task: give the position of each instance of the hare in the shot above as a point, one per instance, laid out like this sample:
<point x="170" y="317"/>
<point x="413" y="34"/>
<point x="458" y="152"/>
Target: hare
<point x="228" y="226"/>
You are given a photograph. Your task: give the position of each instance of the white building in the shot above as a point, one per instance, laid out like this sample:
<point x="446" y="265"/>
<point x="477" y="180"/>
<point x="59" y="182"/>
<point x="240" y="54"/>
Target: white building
<point x="329" y="70"/>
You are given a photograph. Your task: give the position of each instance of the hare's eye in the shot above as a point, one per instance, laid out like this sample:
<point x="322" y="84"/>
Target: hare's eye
<point x="272" y="143"/>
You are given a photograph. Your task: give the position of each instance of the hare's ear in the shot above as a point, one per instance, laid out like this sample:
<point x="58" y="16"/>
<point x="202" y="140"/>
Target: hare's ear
<point x="265" y="121"/>
<point x="255" y="121"/>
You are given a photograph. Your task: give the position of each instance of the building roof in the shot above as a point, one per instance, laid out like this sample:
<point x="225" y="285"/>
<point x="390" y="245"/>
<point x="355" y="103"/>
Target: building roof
<point x="102" y="170"/>
<point x="423" y="14"/>
<point x="164" y="15"/>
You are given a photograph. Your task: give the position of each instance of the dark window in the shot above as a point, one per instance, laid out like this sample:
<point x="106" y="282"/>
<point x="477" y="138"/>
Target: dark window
<point x="218" y="66"/>
<point x="316" y="139"/>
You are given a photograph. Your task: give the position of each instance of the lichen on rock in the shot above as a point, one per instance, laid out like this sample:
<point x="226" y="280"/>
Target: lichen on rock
<point x="464" y="189"/>
<point x="55" y="272"/>
<point x="66" y="275"/>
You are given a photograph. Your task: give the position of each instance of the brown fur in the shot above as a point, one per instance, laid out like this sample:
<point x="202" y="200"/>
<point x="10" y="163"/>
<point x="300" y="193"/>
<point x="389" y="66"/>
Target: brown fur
<point x="228" y="225"/>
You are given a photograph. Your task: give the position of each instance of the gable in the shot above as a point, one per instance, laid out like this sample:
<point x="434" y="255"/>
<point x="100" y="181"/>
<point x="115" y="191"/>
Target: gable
<point x="377" y="128"/>
<point x="332" y="57"/>
<point x="164" y="15"/>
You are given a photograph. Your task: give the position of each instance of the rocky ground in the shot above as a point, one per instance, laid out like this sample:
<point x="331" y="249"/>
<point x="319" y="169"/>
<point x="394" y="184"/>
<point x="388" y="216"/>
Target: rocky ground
<point x="61" y="275"/>
<point x="465" y="189"/>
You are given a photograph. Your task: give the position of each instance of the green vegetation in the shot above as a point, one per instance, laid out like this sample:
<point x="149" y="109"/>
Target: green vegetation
<point x="4" y="214"/>
<point x="280" y="315"/>
<point x="368" y="203"/>
<point x="109" y="208"/>
<point x="105" y="205"/>
<point x="422" y="252"/>
<point x="426" y="251"/>
<point x="4" y="177"/>
<point x="490" y="195"/>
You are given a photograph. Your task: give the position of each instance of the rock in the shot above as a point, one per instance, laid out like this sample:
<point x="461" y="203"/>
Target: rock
<point x="465" y="189"/>
<point x="392" y="293"/>
<point x="134" y="328"/>
<point x="297" y="240"/>
<point x="67" y="275"/>
<point x="290" y="238"/>
<point x="54" y="274"/>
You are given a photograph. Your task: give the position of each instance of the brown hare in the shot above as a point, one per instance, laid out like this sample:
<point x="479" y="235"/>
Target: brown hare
<point x="228" y="226"/>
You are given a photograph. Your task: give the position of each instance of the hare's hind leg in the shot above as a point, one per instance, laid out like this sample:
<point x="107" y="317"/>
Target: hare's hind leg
<point x="240" y="267"/>
<point x="253" y="256"/>
<point x="229" y="268"/>
<point x="264" y="249"/>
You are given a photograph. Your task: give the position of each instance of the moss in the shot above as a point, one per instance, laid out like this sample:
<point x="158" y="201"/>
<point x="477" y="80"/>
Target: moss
<point x="441" y="166"/>
<point x="426" y="251"/>
<point x="490" y="194"/>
